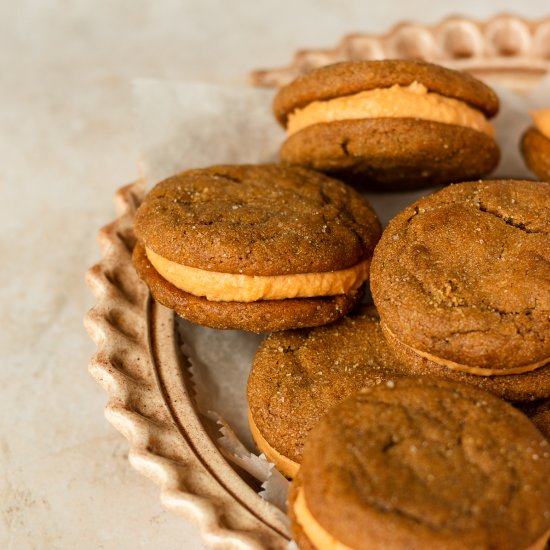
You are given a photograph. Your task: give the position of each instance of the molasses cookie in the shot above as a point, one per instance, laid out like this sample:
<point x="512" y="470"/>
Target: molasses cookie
<point x="258" y="248"/>
<point x="461" y="280"/>
<point x="419" y="462"/>
<point x="535" y="145"/>
<point x="389" y="124"/>
<point x="298" y="375"/>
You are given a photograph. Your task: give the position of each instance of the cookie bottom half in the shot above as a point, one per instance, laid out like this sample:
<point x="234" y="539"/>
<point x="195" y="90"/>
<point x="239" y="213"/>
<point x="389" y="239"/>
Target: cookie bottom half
<point x="393" y="153"/>
<point x="260" y="316"/>
<point x="527" y="386"/>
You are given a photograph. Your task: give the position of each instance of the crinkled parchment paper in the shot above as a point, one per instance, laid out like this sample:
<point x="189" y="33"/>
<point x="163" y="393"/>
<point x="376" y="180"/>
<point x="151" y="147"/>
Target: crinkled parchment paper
<point x="191" y="125"/>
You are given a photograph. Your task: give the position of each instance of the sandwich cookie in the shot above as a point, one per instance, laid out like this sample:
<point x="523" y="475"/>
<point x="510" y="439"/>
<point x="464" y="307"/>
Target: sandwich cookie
<point x="258" y="248"/>
<point x="391" y="124"/>
<point x="422" y="463"/>
<point x="461" y="280"/>
<point x="535" y="145"/>
<point x="297" y="376"/>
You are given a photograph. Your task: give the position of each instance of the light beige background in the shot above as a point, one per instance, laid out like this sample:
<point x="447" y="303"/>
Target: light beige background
<point x="66" y="144"/>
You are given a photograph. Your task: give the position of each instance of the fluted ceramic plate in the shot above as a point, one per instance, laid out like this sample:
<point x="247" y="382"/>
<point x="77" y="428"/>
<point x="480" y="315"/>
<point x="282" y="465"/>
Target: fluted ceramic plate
<point x="507" y="49"/>
<point x="139" y="360"/>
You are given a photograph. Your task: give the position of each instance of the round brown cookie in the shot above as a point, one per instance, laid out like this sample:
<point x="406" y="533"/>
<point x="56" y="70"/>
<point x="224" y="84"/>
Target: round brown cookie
<point x="393" y="152"/>
<point x="462" y="277"/>
<point x="539" y="414"/>
<point x="349" y="78"/>
<point x="524" y="387"/>
<point x="260" y="316"/>
<point x="385" y="151"/>
<point x="424" y="463"/>
<point x="257" y="220"/>
<point x="297" y="376"/>
<point x="255" y="247"/>
<point x="535" y="148"/>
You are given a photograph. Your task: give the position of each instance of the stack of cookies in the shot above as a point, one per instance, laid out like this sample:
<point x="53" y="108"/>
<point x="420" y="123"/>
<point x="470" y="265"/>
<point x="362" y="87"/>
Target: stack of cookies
<point x="390" y="419"/>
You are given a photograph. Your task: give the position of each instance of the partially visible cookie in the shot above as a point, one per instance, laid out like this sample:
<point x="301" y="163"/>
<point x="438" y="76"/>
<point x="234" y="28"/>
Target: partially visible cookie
<point x="535" y="145"/>
<point x="255" y="247"/>
<point x="461" y="280"/>
<point x="297" y="376"/>
<point x="389" y="124"/>
<point x="423" y="463"/>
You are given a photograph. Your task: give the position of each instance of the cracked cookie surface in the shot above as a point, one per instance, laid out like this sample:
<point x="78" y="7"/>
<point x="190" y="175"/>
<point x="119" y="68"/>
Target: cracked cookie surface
<point x="464" y="275"/>
<point x="257" y="220"/>
<point x="426" y="463"/>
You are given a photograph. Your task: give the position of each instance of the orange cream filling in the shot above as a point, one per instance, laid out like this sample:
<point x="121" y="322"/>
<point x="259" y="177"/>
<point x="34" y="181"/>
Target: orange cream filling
<point x="413" y="101"/>
<point x="287" y="467"/>
<point x="542" y="121"/>
<point x="233" y="287"/>
<point x="321" y="539"/>
<point x="478" y="371"/>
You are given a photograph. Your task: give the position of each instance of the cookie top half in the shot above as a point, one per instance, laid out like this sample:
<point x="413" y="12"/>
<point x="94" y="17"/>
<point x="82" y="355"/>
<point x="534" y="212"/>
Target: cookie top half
<point x="426" y="463"/>
<point x="257" y="220"/>
<point x="348" y="78"/>
<point x="464" y="276"/>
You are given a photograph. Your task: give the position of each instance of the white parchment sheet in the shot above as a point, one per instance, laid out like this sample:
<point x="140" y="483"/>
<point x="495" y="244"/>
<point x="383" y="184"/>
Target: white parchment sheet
<point x="184" y="125"/>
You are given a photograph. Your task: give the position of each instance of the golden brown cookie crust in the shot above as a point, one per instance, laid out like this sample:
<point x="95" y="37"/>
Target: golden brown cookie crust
<point x="348" y="78"/>
<point x="428" y="463"/>
<point x="464" y="274"/>
<point x="297" y="376"/>
<point x="524" y="387"/>
<point x="387" y="153"/>
<point x="536" y="151"/>
<point x="261" y="316"/>
<point x="257" y="220"/>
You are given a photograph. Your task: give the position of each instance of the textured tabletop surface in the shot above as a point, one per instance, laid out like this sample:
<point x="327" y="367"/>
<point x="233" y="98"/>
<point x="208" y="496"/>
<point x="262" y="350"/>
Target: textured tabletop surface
<point x="66" y="144"/>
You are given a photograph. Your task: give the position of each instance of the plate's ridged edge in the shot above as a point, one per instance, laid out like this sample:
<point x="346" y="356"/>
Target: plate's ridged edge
<point x="455" y="41"/>
<point x="122" y="365"/>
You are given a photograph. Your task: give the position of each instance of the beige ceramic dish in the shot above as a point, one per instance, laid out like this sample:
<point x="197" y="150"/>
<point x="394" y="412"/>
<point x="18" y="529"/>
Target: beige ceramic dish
<point x="138" y="361"/>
